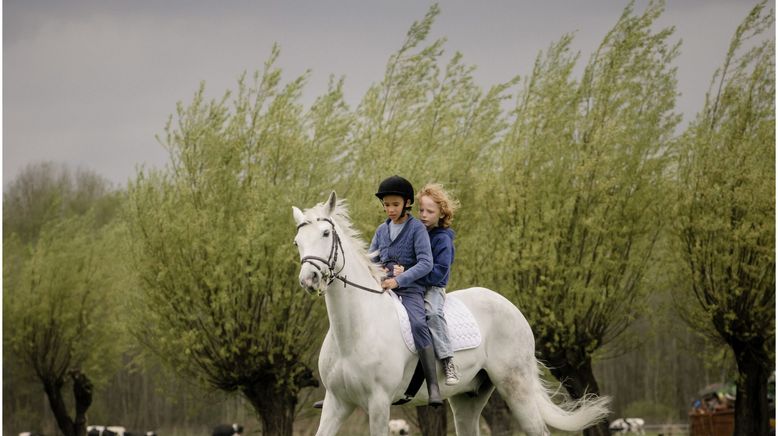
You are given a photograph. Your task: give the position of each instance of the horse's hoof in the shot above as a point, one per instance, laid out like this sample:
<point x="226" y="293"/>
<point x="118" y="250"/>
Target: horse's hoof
<point x="319" y="404"/>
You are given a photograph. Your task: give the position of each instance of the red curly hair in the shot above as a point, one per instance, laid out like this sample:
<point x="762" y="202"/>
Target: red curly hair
<point x="446" y="202"/>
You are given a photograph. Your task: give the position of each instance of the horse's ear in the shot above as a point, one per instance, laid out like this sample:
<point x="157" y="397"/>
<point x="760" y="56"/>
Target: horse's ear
<point x="331" y="203"/>
<point x="299" y="218"/>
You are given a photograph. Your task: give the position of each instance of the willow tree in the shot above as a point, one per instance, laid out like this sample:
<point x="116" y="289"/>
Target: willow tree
<point x="579" y="193"/>
<point x="220" y="299"/>
<point x="726" y="214"/>
<point x="56" y="315"/>
<point x="60" y="282"/>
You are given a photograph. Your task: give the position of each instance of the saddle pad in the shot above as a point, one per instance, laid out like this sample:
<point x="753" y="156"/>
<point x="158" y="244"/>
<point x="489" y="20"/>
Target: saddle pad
<point x="463" y="331"/>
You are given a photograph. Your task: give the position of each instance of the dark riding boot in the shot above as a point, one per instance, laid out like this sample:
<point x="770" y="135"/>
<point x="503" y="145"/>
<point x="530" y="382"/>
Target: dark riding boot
<point x="427" y="358"/>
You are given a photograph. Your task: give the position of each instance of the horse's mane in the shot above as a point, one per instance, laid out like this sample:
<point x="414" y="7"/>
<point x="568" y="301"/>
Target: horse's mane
<point x="348" y="234"/>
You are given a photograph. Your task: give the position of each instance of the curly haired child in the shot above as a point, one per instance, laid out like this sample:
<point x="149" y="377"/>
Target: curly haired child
<point x="436" y="212"/>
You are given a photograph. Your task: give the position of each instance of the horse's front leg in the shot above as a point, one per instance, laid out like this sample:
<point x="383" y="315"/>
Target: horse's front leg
<point x="379" y="414"/>
<point x="334" y="412"/>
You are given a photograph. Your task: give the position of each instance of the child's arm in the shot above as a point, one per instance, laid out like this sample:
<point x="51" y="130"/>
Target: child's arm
<point x="442" y="261"/>
<point x="374" y="248"/>
<point x="421" y="244"/>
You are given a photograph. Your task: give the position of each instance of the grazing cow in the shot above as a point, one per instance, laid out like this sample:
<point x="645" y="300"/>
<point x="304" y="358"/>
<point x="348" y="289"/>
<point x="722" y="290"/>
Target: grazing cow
<point x="399" y="427"/>
<point x="227" y="430"/>
<point x="628" y="425"/>
<point x="95" y="430"/>
<point x="114" y="430"/>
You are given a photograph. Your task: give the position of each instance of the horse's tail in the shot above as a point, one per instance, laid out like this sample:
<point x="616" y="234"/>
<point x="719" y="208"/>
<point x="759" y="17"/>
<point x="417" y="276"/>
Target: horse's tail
<point x="570" y="415"/>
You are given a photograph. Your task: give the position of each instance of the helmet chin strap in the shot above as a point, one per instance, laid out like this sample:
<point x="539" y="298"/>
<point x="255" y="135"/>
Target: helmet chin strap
<point x="405" y="208"/>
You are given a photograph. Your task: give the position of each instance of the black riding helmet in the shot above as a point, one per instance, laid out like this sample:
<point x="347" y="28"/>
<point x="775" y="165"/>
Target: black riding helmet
<point x="395" y="185"/>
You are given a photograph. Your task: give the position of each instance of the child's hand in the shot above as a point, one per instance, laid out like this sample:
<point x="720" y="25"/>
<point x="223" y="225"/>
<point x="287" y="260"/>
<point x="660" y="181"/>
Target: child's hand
<point x="389" y="284"/>
<point x="398" y="269"/>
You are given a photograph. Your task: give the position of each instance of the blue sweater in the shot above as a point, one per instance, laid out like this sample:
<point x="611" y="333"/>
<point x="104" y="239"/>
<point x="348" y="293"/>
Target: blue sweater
<point x="411" y="249"/>
<point x="442" y="243"/>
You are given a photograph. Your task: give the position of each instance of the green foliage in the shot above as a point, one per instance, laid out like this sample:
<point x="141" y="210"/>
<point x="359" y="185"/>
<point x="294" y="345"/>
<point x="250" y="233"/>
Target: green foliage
<point x="56" y="315"/>
<point x="219" y="296"/>
<point x="580" y="187"/>
<point x="425" y="121"/>
<point x="47" y="191"/>
<point x="61" y="284"/>
<point x="726" y="197"/>
<point x="60" y="275"/>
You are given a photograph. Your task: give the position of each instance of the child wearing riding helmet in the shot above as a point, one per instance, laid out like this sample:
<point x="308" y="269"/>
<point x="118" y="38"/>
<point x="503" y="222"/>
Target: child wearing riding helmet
<point x="436" y="212"/>
<point x="403" y="240"/>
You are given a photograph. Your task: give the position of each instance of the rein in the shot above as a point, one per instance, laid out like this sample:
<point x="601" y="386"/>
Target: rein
<point x="331" y="262"/>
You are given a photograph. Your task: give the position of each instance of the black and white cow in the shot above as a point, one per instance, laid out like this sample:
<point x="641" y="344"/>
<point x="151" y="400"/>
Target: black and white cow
<point x="627" y="425"/>
<point x="103" y="430"/>
<point x="114" y="430"/>
<point x="95" y="430"/>
<point x="227" y="430"/>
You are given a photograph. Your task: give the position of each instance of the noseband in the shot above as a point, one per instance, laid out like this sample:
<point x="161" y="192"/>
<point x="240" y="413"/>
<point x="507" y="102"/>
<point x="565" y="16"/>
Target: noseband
<point x="330" y="264"/>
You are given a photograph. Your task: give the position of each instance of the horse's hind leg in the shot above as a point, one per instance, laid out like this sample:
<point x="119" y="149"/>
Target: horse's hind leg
<point x="467" y="411"/>
<point x="333" y="413"/>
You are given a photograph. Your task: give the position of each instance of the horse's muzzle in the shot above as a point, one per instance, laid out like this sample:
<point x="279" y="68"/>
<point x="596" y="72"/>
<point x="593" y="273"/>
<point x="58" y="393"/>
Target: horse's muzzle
<point x="311" y="280"/>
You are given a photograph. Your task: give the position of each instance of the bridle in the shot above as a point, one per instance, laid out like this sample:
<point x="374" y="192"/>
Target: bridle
<point x="327" y="266"/>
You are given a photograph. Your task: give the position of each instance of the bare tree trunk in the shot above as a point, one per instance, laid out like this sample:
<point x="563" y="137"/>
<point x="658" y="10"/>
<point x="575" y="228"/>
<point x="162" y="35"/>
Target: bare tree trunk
<point x="498" y="416"/>
<point x="751" y="414"/>
<point x="275" y="405"/>
<point x="274" y="408"/>
<point x="53" y="389"/>
<point x="82" y="391"/>
<point x="432" y="420"/>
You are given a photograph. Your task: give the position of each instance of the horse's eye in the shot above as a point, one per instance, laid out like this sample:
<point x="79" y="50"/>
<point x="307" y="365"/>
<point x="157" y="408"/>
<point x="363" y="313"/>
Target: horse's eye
<point x="326" y="233"/>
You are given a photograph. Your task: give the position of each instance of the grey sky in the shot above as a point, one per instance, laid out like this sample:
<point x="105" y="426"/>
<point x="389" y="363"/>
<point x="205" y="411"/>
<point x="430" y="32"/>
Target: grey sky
<point x="90" y="82"/>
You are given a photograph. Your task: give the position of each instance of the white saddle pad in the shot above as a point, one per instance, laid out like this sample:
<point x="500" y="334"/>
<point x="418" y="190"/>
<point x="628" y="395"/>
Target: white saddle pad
<point x="463" y="331"/>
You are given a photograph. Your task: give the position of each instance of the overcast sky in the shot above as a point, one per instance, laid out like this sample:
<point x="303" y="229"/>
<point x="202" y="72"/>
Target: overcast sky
<point x="91" y="82"/>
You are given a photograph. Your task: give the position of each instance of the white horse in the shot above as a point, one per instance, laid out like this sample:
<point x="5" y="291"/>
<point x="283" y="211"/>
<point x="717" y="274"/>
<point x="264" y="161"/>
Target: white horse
<point x="365" y="363"/>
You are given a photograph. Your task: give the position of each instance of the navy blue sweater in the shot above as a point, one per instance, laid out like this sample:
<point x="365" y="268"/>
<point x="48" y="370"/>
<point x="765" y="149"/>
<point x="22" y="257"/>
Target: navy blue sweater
<point x="442" y="244"/>
<point x="411" y="249"/>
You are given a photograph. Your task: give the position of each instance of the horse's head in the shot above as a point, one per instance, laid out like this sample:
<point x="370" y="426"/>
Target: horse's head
<point x="317" y="241"/>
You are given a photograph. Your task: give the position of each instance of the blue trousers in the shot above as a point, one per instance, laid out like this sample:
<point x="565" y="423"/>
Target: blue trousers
<point x="413" y="300"/>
